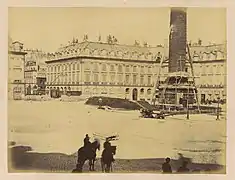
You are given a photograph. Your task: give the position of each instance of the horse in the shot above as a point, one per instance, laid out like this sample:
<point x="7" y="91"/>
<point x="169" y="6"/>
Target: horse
<point x="107" y="158"/>
<point x="88" y="153"/>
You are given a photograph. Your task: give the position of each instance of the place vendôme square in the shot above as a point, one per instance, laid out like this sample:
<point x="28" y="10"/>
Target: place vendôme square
<point x="117" y="90"/>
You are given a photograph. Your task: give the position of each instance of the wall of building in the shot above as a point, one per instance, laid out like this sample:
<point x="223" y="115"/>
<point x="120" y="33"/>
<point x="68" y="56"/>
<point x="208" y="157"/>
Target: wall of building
<point x="35" y="69"/>
<point x="102" y="77"/>
<point x="16" y="58"/>
<point x="115" y="73"/>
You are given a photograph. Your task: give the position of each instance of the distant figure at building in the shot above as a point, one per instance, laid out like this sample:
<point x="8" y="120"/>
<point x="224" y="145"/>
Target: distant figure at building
<point x="166" y="167"/>
<point x="183" y="168"/>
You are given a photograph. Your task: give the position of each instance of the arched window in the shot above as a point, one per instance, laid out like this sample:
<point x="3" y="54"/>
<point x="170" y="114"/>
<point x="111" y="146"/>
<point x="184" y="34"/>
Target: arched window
<point x="126" y="55"/>
<point x="141" y="56"/>
<point x="112" y="54"/>
<point x="87" y="51"/>
<point x="219" y="55"/>
<point x="95" y="52"/>
<point x="212" y="56"/>
<point x="150" y="56"/>
<point x="96" y="67"/>
<point x="112" y="67"/>
<point x="104" y="67"/>
<point x="95" y="91"/>
<point x="142" y="91"/>
<point x="127" y="90"/>
<point x="119" y="54"/>
<point x="195" y="57"/>
<point x="134" y="55"/>
<point x="149" y="91"/>
<point x="119" y="68"/>
<point x="204" y="56"/>
<point x="134" y="68"/>
<point x="103" y="52"/>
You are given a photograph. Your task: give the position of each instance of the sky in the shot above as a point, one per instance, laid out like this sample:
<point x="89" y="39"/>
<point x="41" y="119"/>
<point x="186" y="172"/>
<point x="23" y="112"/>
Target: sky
<point x="48" y="28"/>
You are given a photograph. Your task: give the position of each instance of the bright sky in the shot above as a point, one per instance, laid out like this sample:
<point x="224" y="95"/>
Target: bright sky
<point x="47" y="28"/>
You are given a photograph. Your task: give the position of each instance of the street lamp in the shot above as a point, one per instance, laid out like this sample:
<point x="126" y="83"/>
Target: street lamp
<point x="188" y="104"/>
<point x="187" y="109"/>
<point x="100" y="102"/>
<point x="218" y="108"/>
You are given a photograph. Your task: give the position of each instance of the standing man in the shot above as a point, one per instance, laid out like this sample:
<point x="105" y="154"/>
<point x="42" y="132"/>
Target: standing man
<point x="183" y="168"/>
<point x="166" y="167"/>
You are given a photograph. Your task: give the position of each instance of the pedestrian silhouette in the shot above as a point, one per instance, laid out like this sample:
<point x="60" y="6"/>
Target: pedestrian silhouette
<point x="166" y="167"/>
<point x="183" y="168"/>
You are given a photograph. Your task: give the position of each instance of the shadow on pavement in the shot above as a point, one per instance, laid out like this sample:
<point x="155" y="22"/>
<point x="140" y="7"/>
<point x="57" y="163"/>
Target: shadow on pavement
<point x="21" y="159"/>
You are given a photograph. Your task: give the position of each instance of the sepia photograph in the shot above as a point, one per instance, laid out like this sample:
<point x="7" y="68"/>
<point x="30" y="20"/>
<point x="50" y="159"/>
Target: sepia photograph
<point x="117" y="90"/>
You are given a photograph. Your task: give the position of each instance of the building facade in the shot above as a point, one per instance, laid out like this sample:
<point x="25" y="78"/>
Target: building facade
<point x="94" y="68"/>
<point x="103" y="69"/>
<point x="16" y="60"/>
<point x="210" y="69"/>
<point x="35" y="71"/>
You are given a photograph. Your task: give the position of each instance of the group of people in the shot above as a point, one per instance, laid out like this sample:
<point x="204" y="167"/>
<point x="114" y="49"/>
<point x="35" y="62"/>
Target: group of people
<point x="107" y="157"/>
<point x="166" y="167"/>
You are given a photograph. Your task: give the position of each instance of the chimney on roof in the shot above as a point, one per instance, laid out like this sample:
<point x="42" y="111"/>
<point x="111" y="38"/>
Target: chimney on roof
<point x="145" y="44"/>
<point x="199" y="42"/>
<point x="99" y="38"/>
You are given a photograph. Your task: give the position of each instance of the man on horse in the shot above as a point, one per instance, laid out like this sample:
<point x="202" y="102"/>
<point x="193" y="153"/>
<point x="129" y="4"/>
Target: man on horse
<point x="86" y="141"/>
<point x="107" y="156"/>
<point x="107" y="144"/>
<point x="87" y="152"/>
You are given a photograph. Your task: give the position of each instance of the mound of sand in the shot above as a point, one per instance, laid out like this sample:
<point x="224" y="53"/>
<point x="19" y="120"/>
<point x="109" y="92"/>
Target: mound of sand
<point x="113" y="103"/>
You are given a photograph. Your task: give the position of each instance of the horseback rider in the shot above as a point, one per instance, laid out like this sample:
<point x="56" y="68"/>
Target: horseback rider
<point x="107" y="155"/>
<point x="107" y="144"/>
<point x="87" y="152"/>
<point x="87" y="143"/>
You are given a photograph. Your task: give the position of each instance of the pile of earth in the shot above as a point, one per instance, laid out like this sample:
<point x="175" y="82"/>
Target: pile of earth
<point x="113" y="103"/>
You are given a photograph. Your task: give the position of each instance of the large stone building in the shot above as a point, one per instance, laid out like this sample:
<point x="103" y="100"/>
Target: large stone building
<point x="16" y="59"/>
<point x="94" y="68"/>
<point x="115" y="70"/>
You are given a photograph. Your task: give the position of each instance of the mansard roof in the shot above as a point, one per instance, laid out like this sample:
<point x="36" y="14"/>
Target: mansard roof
<point x="92" y="46"/>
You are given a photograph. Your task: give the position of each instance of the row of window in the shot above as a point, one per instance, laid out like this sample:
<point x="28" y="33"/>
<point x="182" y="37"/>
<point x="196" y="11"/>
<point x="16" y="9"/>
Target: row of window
<point x="96" y="67"/>
<point x="73" y="78"/>
<point x="149" y="91"/>
<point x="208" y="56"/>
<point x="99" y="67"/>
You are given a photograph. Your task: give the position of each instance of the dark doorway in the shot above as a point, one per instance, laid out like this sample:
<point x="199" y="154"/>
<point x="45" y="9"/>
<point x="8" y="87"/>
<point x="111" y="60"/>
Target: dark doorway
<point x="203" y="98"/>
<point x="134" y="94"/>
<point x="28" y="90"/>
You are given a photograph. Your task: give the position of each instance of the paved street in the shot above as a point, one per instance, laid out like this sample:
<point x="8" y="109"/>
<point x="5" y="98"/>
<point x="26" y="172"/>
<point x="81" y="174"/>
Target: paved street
<point x="54" y="126"/>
